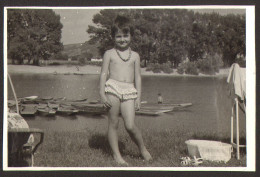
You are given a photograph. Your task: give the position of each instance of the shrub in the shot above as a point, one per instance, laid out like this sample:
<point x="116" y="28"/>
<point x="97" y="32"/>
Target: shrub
<point x="210" y="65"/>
<point x="191" y="68"/>
<point x="166" y="68"/>
<point x="181" y="69"/>
<point x="95" y="63"/>
<point x="156" y="68"/>
<point x="205" y="66"/>
<point x="149" y="67"/>
<point x="142" y="64"/>
<point x="217" y="62"/>
<point x="87" y="55"/>
<point x="82" y="61"/>
<point x="54" y="63"/>
<point x="74" y="58"/>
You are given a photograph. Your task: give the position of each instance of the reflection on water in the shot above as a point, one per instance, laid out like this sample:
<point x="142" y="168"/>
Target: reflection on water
<point x="210" y="111"/>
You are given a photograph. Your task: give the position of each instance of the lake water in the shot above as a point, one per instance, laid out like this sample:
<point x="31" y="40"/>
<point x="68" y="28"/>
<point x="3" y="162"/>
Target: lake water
<point x="211" y="108"/>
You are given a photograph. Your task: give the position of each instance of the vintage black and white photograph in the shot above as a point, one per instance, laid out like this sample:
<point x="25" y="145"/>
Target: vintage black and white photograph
<point x="151" y="87"/>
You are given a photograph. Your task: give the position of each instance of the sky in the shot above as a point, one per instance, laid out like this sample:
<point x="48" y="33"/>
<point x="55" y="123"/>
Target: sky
<point x="75" y="22"/>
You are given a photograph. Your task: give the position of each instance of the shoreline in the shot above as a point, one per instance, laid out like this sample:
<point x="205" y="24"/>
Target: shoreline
<point x="90" y="69"/>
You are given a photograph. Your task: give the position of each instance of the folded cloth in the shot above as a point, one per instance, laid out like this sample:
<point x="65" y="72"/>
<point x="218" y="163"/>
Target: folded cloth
<point x="237" y="77"/>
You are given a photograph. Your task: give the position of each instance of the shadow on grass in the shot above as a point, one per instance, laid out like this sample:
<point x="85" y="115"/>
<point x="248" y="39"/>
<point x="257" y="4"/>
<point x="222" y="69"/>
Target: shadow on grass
<point x="183" y="151"/>
<point x="98" y="141"/>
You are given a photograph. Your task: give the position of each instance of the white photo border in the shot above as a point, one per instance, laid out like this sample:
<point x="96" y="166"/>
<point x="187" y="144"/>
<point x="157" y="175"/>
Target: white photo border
<point x="250" y="92"/>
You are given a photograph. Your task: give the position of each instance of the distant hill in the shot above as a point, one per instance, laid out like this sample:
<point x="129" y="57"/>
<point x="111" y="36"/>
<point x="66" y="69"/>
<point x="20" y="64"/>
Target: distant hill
<point x="77" y="49"/>
<point x="72" y="50"/>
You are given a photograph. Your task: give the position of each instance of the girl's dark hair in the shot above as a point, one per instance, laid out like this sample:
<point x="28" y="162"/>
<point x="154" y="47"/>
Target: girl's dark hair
<point x="122" y="23"/>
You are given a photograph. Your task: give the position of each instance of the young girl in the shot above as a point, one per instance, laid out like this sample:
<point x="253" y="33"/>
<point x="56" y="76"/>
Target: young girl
<point x="122" y="91"/>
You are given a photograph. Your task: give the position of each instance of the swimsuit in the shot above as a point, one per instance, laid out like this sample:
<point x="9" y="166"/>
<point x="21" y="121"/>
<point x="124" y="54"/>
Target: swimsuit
<point x="123" y="90"/>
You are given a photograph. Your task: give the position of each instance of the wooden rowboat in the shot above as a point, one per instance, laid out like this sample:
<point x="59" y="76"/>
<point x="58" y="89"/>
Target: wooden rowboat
<point x="53" y="105"/>
<point x="90" y="108"/>
<point x="31" y="97"/>
<point x="94" y="102"/>
<point x="42" y="106"/>
<point x="28" y="100"/>
<point x="154" y="109"/>
<point x="47" y="98"/>
<point x="166" y="106"/>
<point x="67" y="111"/>
<point x="28" y="110"/>
<point x="69" y="102"/>
<point x="25" y="101"/>
<point x="47" y="111"/>
<point x="79" y="100"/>
<point x="59" y="99"/>
<point x="148" y="112"/>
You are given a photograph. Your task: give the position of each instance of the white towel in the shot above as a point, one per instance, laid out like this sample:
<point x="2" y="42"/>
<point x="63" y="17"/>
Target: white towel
<point x="237" y="77"/>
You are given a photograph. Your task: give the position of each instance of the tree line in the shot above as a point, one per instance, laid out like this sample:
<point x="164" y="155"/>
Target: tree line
<point x="161" y="35"/>
<point x="33" y="35"/>
<point x="175" y="35"/>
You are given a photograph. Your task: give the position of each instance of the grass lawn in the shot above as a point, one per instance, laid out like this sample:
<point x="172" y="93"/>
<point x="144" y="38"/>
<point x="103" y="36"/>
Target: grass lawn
<point x="91" y="149"/>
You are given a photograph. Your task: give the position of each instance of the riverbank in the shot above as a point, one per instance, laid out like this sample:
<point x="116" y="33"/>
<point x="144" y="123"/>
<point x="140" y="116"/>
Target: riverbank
<point x="90" y="69"/>
<point x="81" y="140"/>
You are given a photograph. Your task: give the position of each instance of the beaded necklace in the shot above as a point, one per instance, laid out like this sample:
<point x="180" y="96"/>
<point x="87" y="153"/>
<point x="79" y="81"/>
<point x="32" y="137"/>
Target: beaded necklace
<point x="125" y="59"/>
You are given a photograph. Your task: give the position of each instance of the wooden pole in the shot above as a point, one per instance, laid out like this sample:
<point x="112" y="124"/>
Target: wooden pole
<point x="237" y="122"/>
<point x="232" y="126"/>
<point x="12" y="86"/>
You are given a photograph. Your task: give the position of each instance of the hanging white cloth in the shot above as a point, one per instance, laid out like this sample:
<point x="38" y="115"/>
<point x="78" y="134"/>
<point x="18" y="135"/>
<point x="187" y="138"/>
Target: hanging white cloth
<point x="237" y="77"/>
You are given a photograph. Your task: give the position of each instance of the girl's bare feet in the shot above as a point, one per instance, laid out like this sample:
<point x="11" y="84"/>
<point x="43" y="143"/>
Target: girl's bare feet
<point x="120" y="160"/>
<point x="146" y="155"/>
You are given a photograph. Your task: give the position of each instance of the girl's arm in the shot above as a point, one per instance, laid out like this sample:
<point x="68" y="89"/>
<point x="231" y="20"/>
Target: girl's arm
<point x="138" y="82"/>
<point x="103" y="77"/>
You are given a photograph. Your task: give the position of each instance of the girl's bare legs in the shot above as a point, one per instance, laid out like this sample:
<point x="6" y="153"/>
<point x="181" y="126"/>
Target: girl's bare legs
<point x="113" y="120"/>
<point x="128" y="113"/>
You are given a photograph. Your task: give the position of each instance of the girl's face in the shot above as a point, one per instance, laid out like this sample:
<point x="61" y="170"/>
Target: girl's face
<point x="122" y="40"/>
